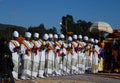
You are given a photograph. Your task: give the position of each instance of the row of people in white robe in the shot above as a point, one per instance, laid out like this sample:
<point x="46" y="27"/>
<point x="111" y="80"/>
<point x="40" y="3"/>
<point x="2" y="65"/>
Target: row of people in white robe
<point x="48" y="57"/>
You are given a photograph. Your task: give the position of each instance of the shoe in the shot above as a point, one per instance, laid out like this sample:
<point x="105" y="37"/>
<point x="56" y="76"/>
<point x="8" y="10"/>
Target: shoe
<point x="27" y="78"/>
<point x="42" y="77"/>
<point x="32" y="78"/>
<point x="46" y="75"/>
<point x="23" y="78"/>
<point x="53" y="75"/>
<point x="57" y="75"/>
<point x="17" y="79"/>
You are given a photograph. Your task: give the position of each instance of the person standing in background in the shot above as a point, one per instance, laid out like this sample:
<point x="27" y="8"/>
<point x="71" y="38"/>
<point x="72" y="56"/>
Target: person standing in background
<point x="63" y="53"/>
<point x="14" y="47"/>
<point x="96" y="51"/>
<point x="74" y="55"/>
<point x="42" y="69"/>
<point x="26" y="50"/>
<point x="57" y="54"/>
<point x="6" y="63"/>
<point x="81" y="57"/>
<point x="101" y="57"/>
<point x="69" y="55"/>
<point x="35" y="55"/>
<point x="50" y="56"/>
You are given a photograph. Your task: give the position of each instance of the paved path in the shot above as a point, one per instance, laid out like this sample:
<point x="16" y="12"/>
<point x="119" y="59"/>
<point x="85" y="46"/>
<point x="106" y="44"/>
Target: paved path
<point x="85" y="78"/>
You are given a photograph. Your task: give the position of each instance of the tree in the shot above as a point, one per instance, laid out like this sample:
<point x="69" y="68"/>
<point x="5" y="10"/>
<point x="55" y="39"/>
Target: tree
<point x="67" y="24"/>
<point x="83" y="27"/>
<point x="80" y="27"/>
<point x="42" y="30"/>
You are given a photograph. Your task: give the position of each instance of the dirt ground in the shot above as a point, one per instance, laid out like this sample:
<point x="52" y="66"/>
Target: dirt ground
<point x="85" y="78"/>
<point x="53" y="81"/>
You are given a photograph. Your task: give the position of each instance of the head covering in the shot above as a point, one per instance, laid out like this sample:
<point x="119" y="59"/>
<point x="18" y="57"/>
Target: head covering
<point x="85" y="38"/>
<point x="55" y="36"/>
<point x="74" y="36"/>
<point x="45" y="37"/>
<point x="27" y="34"/>
<point x="91" y="40"/>
<point x="15" y="34"/>
<point x="80" y="36"/>
<point x="62" y="36"/>
<point x="50" y="35"/>
<point x="36" y="35"/>
<point x="96" y="41"/>
<point x="70" y="38"/>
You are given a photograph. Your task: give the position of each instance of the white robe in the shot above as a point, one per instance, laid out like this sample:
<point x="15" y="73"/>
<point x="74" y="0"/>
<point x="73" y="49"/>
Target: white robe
<point x="74" y="57"/>
<point x="41" y="68"/>
<point x="88" y="58"/>
<point x="81" y="59"/>
<point x="50" y="59"/>
<point x="69" y="56"/>
<point x="62" y="62"/>
<point x="27" y="60"/>
<point x="57" y="57"/>
<point x="95" y="59"/>
<point x="15" y="57"/>
<point x="35" y="58"/>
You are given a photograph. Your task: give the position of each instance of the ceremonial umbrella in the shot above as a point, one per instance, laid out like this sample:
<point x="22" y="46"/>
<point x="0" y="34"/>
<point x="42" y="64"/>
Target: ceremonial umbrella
<point x="101" y="27"/>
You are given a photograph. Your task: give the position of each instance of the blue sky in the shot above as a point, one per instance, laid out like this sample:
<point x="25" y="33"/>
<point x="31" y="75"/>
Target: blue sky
<point x="49" y="12"/>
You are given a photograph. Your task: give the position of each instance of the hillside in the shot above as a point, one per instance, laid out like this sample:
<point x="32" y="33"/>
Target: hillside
<point x="6" y="30"/>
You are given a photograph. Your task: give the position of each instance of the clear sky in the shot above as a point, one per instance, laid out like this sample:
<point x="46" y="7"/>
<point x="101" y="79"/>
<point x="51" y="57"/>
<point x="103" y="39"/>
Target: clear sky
<point x="49" y="12"/>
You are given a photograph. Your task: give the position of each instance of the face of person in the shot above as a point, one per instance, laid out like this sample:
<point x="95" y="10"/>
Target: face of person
<point x="28" y="38"/>
<point x="62" y="39"/>
<point x="80" y="39"/>
<point x="56" y="39"/>
<point x="15" y="38"/>
<point x="5" y="42"/>
<point x="35" y="38"/>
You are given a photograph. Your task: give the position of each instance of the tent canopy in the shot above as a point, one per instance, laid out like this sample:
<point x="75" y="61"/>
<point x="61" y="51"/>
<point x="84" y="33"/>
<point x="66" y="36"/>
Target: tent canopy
<point x="101" y="27"/>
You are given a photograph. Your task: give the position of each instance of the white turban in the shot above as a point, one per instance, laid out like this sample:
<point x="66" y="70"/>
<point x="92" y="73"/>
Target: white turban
<point x="36" y="35"/>
<point x="15" y="34"/>
<point x="70" y="38"/>
<point x="96" y="41"/>
<point x="75" y="36"/>
<point x="85" y="38"/>
<point x="45" y="37"/>
<point x="62" y="36"/>
<point x="80" y="36"/>
<point x="50" y="35"/>
<point x="92" y="40"/>
<point x="27" y="34"/>
<point x="55" y="36"/>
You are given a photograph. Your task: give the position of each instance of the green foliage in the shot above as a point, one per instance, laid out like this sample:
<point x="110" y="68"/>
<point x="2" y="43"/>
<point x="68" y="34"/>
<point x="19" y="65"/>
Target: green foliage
<point x="67" y="25"/>
<point x="81" y="27"/>
<point x="42" y="30"/>
<point x="7" y="30"/>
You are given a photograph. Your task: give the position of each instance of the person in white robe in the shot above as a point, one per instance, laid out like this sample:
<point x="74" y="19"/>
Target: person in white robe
<point x="42" y="70"/>
<point x="26" y="50"/>
<point x="81" y="57"/>
<point x="65" y="57"/>
<point x="96" y="51"/>
<point x="63" y="53"/>
<point x="88" y="56"/>
<point x="86" y="52"/>
<point x="75" y="55"/>
<point x="35" y="55"/>
<point x="14" y="47"/>
<point x="69" y="55"/>
<point x="57" y="46"/>
<point x="50" y="56"/>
